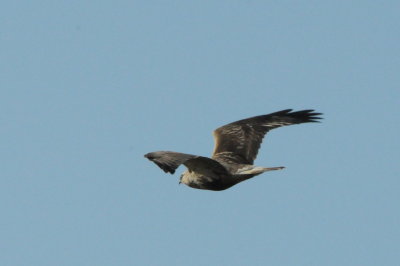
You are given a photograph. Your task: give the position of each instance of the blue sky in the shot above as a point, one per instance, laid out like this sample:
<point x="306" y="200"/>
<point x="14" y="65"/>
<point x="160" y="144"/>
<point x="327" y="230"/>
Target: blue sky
<point x="88" y="87"/>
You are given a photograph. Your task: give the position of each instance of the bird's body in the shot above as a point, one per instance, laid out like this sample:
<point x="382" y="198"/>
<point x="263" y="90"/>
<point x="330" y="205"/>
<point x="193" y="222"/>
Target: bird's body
<point x="236" y="147"/>
<point x="212" y="181"/>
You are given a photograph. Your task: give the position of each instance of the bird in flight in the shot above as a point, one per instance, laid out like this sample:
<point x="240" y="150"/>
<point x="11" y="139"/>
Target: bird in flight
<point x="236" y="148"/>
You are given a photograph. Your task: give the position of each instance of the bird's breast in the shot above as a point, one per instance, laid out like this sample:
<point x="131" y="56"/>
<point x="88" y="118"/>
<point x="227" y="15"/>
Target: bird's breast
<point x="201" y="181"/>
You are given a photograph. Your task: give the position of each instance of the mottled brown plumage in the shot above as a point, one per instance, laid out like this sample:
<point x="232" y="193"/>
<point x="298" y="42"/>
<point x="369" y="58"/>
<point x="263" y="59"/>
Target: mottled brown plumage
<point x="236" y="148"/>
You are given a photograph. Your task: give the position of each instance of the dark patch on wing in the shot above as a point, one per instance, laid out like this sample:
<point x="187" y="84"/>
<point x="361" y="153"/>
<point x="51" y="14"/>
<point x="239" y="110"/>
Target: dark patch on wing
<point x="168" y="161"/>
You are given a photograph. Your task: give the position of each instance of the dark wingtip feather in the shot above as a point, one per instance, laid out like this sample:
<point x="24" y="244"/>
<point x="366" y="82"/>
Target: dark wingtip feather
<point x="165" y="167"/>
<point x="306" y="116"/>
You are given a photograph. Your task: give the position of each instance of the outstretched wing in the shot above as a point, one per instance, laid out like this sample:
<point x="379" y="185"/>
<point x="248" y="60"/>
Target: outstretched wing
<point x="170" y="160"/>
<point x="239" y="142"/>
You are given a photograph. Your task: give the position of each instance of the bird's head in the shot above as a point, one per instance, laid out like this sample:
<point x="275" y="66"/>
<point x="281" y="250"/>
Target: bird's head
<point x="184" y="178"/>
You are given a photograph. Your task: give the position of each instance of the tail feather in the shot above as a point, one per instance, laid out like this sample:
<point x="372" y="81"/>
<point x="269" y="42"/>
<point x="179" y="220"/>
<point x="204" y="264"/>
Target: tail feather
<point x="258" y="170"/>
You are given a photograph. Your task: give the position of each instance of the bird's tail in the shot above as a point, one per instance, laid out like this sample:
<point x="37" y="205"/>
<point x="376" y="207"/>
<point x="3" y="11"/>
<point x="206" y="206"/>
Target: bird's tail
<point x="258" y="170"/>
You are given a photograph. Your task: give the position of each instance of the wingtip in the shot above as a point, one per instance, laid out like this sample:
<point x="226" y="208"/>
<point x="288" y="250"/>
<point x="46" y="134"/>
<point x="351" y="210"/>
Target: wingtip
<point x="307" y="115"/>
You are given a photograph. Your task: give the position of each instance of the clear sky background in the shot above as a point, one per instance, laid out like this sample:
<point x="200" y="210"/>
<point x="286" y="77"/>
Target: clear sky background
<point x="89" y="87"/>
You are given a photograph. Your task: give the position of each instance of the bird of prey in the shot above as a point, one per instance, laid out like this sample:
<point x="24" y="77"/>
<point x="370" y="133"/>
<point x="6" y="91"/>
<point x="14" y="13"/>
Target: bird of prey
<point x="236" y="148"/>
